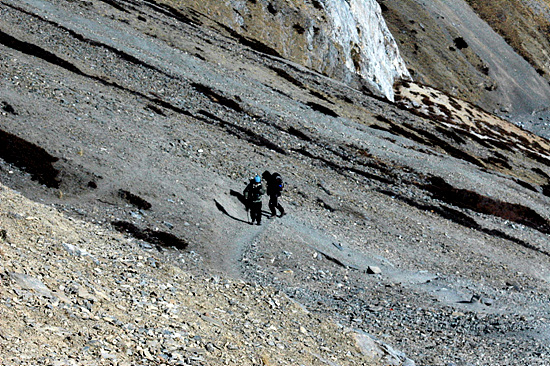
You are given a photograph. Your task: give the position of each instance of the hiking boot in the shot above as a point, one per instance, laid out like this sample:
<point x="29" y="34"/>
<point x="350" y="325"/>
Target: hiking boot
<point x="282" y="214"/>
<point x="258" y="223"/>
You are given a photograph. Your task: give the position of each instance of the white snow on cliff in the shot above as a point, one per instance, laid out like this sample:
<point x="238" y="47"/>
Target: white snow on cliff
<point x="368" y="47"/>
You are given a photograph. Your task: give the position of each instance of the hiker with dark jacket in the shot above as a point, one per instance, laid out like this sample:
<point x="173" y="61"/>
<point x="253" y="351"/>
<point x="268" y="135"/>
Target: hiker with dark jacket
<point x="253" y="196"/>
<point x="275" y="187"/>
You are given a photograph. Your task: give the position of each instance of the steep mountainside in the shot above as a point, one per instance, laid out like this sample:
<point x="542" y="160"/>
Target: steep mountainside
<point x="416" y="229"/>
<point x="524" y="24"/>
<point x="495" y="54"/>
<point x="75" y="294"/>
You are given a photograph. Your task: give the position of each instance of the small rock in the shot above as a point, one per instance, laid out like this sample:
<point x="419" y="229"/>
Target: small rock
<point x="152" y="262"/>
<point x="75" y="251"/>
<point x="145" y="245"/>
<point x="232" y="347"/>
<point x="210" y="320"/>
<point x="475" y="299"/>
<point x="195" y="350"/>
<point x="374" y="270"/>
<point x="30" y="283"/>
<point x="210" y="347"/>
<point x="85" y="294"/>
<point x="374" y="308"/>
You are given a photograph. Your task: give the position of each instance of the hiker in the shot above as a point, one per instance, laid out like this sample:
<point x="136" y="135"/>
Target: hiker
<point x="253" y="196"/>
<point x="275" y="186"/>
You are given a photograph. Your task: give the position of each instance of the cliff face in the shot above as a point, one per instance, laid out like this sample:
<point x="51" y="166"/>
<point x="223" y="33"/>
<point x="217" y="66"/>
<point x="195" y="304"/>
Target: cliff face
<point x="347" y="40"/>
<point x="368" y="48"/>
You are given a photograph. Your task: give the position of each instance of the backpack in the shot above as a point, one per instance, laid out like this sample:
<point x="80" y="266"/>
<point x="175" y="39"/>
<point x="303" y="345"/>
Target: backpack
<point x="277" y="183"/>
<point x="253" y="192"/>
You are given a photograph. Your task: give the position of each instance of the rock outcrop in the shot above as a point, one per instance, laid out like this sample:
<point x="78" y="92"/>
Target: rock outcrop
<point x="347" y="40"/>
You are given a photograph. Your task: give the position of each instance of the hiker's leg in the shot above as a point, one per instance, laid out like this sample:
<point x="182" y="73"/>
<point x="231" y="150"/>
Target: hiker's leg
<point x="259" y="213"/>
<point x="281" y="209"/>
<point x="253" y="213"/>
<point x="273" y="204"/>
<point x="276" y="206"/>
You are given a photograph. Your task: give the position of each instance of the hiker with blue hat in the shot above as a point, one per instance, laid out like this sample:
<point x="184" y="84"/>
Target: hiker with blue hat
<point x="253" y="196"/>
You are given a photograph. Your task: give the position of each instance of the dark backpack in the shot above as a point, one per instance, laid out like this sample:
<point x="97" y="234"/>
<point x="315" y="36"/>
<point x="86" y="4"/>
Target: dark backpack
<point x="277" y="183"/>
<point x="253" y="192"/>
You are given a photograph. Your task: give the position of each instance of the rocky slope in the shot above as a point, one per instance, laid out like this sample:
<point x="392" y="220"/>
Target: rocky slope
<point x="491" y="53"/>
<point x="76" y="294"/>
<point x="421" y="223"/>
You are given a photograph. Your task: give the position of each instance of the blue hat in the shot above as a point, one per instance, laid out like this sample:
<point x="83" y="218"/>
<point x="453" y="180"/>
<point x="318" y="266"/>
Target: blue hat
<point x="257" y="179"/>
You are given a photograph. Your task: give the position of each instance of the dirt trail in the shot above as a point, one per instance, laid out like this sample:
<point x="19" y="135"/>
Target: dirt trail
<point x="238" y="236"/>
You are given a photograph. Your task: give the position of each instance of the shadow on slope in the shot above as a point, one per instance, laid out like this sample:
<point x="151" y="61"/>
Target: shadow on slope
<point x="159" y="238"/>
<point x="467" y="199"/>
<point x="29" y="157"/>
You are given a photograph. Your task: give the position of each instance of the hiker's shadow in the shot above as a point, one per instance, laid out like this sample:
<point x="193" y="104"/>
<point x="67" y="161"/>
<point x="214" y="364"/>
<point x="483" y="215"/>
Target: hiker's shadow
<point x="224" y="211"/>
<point x="239" y="196"/>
